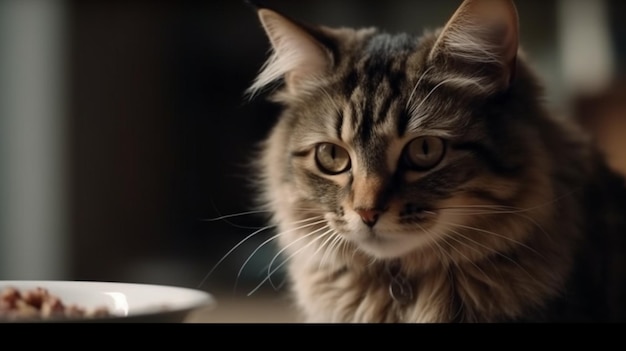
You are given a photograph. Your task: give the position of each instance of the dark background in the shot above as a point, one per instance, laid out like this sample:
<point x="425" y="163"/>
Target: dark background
<point x="160" y="137"/>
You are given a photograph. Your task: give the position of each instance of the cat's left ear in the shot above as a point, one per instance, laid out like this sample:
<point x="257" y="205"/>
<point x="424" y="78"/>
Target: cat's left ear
<point x="481" y="41"/>
<point x="299" y="56"/>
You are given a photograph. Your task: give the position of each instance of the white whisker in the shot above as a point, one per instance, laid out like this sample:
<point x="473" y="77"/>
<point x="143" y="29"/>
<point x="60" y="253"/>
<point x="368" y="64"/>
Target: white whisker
<point x="432" y="241"/>
<point x="480" y="230"/>
<point x="241" y="214"/>
<point x="417" y="116"/>
<point x="408" y="102"/>
<point x="273" y="238"/>
<point x="339" y="245"/>
<point x="231" y="251"/>
<point x="326" y="244"/>
<point x="494" y="251"/>
<point x="462" y="210"/>
<point x="332" y="101"/>
<point x="286" y="260"/>
<point x="241" y="243"/>
<point x="462" y="254"/>
<point x="336" y="238"/>
<point x="326" y="233"/>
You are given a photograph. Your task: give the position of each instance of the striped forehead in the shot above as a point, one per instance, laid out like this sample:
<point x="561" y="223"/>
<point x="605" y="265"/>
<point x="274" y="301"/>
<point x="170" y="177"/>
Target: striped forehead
<point x="371" y="121"/>
<point x="387" y="95"/>
<point x="370" y="114"/>
<point x="375" y="89"/>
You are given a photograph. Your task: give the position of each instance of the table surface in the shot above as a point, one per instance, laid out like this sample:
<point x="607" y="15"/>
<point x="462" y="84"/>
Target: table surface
<point x="268" y="308"/>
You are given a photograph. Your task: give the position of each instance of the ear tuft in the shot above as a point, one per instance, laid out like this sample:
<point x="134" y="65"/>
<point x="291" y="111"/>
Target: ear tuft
<point x="482" y="33"/>
<point x="297" y="56"/>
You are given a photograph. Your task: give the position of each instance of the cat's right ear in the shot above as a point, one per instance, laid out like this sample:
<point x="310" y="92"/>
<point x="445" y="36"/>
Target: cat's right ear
<point x="298" y="56"/>
<point x="481" y="41"/>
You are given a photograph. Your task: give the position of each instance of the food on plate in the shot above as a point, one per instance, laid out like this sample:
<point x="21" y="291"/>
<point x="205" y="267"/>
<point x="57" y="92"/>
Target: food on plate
<point x="39" y="304"/>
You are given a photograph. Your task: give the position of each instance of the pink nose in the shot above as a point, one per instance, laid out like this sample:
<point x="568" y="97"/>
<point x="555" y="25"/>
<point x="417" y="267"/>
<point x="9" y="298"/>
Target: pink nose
<point x="369" y="216"/>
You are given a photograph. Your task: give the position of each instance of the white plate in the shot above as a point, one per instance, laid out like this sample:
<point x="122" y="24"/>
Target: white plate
<point x="126" y="302"/>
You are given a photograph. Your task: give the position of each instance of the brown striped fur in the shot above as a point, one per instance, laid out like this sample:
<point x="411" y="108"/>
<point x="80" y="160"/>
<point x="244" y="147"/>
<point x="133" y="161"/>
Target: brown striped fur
<point x="519" y="220"/>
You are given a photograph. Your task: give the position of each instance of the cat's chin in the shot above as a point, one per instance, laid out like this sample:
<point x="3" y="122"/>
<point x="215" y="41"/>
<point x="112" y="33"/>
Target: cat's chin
<point x="384" y="246"/>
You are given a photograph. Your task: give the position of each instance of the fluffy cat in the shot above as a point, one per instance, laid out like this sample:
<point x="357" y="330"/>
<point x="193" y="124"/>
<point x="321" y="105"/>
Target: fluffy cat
<point x="420" y="178"/>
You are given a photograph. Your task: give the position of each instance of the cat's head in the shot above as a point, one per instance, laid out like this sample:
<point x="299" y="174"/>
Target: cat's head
<point x="402" y="142"/>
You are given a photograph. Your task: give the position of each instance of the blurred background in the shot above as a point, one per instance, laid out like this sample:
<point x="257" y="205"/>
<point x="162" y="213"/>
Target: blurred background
<point x="124" y="129"/>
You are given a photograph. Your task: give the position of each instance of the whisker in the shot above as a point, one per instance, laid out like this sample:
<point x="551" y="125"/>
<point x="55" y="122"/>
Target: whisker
<point x="332" y="101"/>
<point x="493" y="251"/>
<point x="495" y="208"/>
<point x="233" y="215"/>
<point x="433" y="241"/>
<point x="269" y="266"/>
<point x="250" y="257"/>
<point x="231" y="251"/>
<point x="513" y="211"/>
<point x="432" y="238"/>
<point x="233" y="224"/>
<point x="443" y="252"/>
<point x="323" y="246"/>
<point x="277" y="255"/>
<point x="480" y="230"/>
<point x="336" y="238"/>
<point x="332" y="244"/>
<point x="273" y="238"/>
<point x="457" y="233"/>
<point x="408" y="102"/>
<point x="340" y="246"/>
<point x="226" y="218"/>
<point x="241" y="243"/>
<point x="512" y="208"/>
<point x="462" y="254"/>
<point x="418" y="107"/>
<point x="286" y="260"/>
<point x="254" y="212"/>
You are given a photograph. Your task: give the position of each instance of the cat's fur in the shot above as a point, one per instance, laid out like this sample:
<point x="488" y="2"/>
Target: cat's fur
<point x="516" y="218"/>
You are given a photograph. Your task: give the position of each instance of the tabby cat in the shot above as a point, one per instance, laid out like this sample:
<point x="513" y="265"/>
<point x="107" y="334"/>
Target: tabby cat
<point x="420" y="178"/>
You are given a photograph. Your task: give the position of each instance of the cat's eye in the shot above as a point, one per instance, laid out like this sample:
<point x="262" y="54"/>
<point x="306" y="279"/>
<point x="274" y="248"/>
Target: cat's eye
<point x="332" y="159"/>
<point x="424" y="153"/>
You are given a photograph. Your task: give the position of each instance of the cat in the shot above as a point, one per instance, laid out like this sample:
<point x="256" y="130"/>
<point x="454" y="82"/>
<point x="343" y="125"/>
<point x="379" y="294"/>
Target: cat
<point x="421" y="179"/>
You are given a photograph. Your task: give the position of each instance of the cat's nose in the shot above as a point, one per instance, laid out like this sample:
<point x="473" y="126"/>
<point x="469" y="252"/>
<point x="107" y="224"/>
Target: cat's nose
<point x="369" y="216"/>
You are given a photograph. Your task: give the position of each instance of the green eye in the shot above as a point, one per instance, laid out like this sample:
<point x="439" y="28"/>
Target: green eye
<point x="332" y="159"/>
<point x="424" y="153"/>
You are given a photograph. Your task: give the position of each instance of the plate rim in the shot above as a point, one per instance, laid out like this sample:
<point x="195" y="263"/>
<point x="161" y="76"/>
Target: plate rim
<point x="201" y="299"/>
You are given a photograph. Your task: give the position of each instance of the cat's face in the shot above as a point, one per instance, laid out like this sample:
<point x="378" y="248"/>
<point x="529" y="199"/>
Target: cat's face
<point x="377" y="171"/>
<point x="399" y="142"/>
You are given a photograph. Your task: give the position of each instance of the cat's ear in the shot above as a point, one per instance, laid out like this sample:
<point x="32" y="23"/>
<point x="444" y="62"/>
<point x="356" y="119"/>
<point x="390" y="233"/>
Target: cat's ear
<point x="298" y="56"/>
<point x="481" y="42"/>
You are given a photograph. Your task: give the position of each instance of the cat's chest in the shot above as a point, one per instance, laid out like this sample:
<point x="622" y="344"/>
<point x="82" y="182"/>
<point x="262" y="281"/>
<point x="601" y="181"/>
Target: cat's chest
<point x="384" y="295"/>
